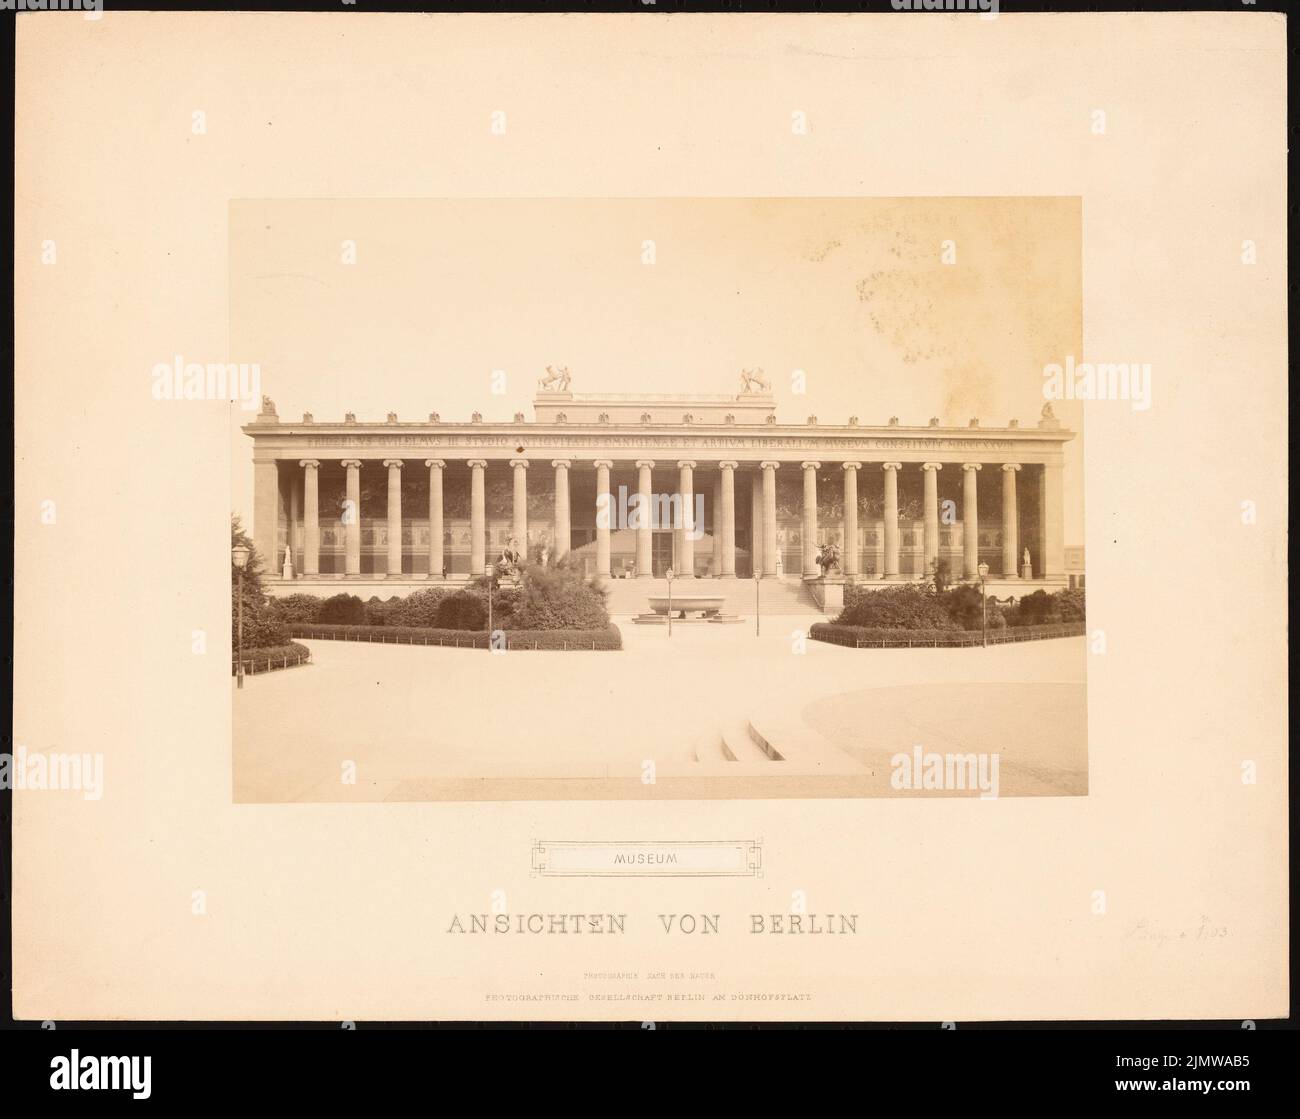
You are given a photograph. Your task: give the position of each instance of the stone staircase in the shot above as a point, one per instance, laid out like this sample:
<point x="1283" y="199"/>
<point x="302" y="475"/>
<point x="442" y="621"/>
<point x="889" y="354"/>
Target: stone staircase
<point x="777" y="596"/>
<point x="766" y="746"/>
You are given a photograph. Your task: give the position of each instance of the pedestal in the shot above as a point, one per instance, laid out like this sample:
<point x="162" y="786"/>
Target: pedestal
<point x="1026" y="571"/>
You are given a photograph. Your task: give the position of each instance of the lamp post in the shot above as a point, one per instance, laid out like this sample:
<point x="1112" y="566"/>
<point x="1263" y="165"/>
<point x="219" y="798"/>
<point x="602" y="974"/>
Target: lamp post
<point x="758" y="582"/>
<point x="239" y="557"/>
<point x="669" y="574"/>
<point x="984" y="603"/>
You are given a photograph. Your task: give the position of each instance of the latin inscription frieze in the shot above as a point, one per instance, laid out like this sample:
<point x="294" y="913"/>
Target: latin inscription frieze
<point x="650" y="441"/>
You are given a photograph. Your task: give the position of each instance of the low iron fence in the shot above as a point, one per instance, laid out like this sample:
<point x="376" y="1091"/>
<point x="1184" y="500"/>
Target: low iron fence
<point x="271" y="662"/>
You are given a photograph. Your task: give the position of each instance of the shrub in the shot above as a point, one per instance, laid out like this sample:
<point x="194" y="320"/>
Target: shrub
<point x="1041" y="608"/>
<point x="300" y="607"/>
<point x="863" y="637"/>
<point x="558" y="597"/>
<point x="264" y="626"/>
<point x="910" y="606"/>
<point x="342" y="609"/>
<point x="379" y="612"/>
<point x="272" y="657"/>
<point x="463" y="610"/>
<point x="1071" y="605"/>
<point x="418" y="609"/>
<point x="963" y="606"/>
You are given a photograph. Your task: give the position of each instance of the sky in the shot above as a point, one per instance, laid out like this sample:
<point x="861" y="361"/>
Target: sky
<point x="913" y="308"/>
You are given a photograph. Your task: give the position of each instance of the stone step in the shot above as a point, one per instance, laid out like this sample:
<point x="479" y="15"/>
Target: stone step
<point x="739" y="745"/>
<point x="708" y="749"/>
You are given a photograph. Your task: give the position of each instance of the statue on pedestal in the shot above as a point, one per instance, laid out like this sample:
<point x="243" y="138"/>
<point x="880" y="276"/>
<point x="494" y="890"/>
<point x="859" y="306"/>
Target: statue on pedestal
<point x="1026" y="568"/>
<point x="752" y="380"/>
<point x="556" y="380"/>
<point x="287" y="569"/>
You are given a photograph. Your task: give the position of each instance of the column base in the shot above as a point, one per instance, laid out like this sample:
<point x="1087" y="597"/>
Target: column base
<point x="727" y="575"/>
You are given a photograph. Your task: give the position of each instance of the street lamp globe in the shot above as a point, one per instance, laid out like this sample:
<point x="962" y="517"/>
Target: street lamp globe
<point x="239" y="554"/>
<point x="669" y="575"/>
<point x="983" y="570"/>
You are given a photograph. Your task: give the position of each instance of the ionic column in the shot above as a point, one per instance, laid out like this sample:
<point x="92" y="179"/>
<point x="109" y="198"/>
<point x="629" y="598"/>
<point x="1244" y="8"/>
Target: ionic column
<point x="727" y="485"/>
<point x="716" y="514"/>
<point x="436" y="562"/>
<point x="294" y="507"/>
<point x="849" y="560"/>
<point x="352" y="519"/>
<point x="310" y="516"/>
<point x="769" y="517"/>
<point x="810" y="518"/>
<point x="891" y="470"/>
<point x="563" y="523"/>
<point x="477" y="518"/>
<point x="519" y="526"/>
<point x="756" y="524"/>
<point x="394" y="516"/>
<point x="931" y="471"/>
<point x="603" y="514"/>
<point x="970" y="521"/>
<point x="686" y="487"/>
<point x="1010" y="520"/>
<point x="644" y="560"/>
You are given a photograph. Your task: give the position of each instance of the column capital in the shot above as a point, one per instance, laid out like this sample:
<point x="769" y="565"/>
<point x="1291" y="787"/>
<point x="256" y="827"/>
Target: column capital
<point x="435" y="463"/>
<point x="479" y="462"/>
<point x="686" y="464"/>
<point x="351" y="463"/>
<point x="519" y="462"/>
<point x="971" y="465"/>
<point x="1011" y="466"/>
<point x="608" y="464"/>
<point x="891" y="466"/>
<point x="811" y="465"/>
<point x="850" y="466"/>
<point x="646" y="463"/>
<point x="397" y="462"/>
<point x="931" y="466"/>
<point x="728" y="464"/>
<point x="770" y="465"/>
<point x="561" y="462"/>
<point x="309" y="462"/>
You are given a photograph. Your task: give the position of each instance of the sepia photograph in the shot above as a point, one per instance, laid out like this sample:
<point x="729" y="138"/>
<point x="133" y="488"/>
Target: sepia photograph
<point x="858" y="575"/>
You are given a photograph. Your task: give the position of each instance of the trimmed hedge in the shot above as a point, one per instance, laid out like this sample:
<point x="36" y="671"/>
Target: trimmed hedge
<point x="573" y="640"/>
<point x="271" y="658"/>
<point x="860" y="637"/>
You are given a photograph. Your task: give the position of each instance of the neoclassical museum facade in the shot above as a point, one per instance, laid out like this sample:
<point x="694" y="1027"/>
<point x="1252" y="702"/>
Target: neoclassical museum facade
<point x="396" y="503"/>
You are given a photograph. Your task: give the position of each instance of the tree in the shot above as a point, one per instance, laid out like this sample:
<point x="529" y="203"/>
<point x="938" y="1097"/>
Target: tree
<point x="263" y="623"/>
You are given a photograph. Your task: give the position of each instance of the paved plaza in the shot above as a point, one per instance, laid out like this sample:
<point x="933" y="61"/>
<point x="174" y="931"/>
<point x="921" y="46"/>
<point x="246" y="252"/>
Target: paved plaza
<point x="429" y="723"/>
